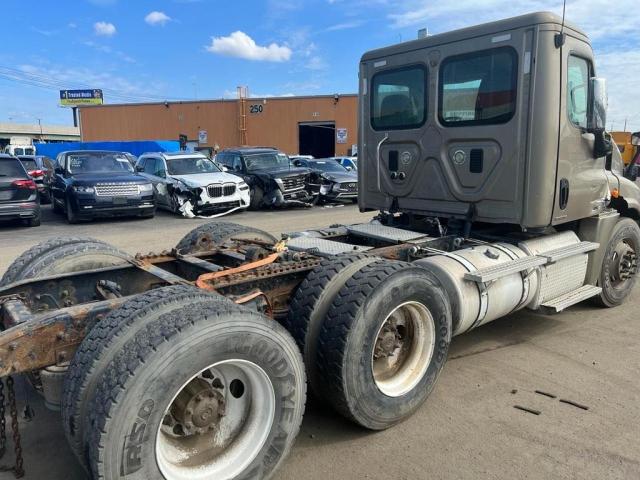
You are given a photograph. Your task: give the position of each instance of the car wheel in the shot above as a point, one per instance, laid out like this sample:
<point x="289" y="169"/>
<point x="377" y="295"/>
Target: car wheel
<point x="72" y="217"/>
<point x="33" y="222"/>
<point x="57" y="208"/>
<point x="255" y="201"/>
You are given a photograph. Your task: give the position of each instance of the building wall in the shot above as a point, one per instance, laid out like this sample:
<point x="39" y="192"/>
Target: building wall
<point x="276" y="125"/>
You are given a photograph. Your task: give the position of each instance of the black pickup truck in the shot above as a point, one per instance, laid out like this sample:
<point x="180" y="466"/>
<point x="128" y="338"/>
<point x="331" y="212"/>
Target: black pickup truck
<point x="89" y="183"/>
<point x="272" y="180"/>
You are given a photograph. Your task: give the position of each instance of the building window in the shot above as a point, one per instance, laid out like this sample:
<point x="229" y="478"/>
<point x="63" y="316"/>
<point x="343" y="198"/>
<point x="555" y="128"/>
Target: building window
<point x="398" y="100"/>
<point x="478" y="88"/>
<point x="578" y="90"/>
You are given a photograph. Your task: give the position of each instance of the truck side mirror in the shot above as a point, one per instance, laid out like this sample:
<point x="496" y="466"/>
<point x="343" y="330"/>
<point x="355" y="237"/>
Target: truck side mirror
<point x="599" y="103"/>
<point x="635" y="138"/>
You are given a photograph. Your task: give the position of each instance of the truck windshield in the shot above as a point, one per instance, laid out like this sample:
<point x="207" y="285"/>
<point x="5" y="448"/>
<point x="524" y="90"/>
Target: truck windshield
<point x="98" y="162"/>
<point x="191" y="166"/>
<point x="266" y="161"/>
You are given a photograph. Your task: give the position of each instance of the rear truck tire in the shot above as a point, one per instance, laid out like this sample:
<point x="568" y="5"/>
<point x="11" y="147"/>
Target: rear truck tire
<point x="311" y="302"/>
<point x="72" y="217"/>
<point x="619" y="271"/>
<point x="62" y="255"/>
<point x="101" y="345"/>
<point x="255" y="198"/>
<point x="213" y="390"/>
<point x="210" y="235"/>
<point x="384" y="343"/>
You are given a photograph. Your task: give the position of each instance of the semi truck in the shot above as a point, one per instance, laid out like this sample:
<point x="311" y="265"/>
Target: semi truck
<point x="484" y="154"/>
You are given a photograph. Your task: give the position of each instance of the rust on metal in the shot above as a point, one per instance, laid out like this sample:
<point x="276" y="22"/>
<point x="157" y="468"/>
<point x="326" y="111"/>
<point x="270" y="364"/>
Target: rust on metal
<point x="203" y="280"/>
<point x="38" y="341"/>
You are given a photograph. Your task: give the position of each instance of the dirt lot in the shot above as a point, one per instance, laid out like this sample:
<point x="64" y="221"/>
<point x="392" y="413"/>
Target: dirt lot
<point x="469" y="428"/>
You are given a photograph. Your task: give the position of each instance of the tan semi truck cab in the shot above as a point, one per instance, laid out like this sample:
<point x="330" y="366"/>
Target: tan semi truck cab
<point x="499" y="123"/>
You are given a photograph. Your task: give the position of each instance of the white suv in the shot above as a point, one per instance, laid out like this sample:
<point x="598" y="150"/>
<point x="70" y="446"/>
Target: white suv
<point x="193" y="185"/>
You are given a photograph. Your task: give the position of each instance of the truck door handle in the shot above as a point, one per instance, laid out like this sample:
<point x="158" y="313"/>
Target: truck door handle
<point x="378" y="159"/>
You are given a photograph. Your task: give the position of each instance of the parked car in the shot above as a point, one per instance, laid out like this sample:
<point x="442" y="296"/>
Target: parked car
<point x="295" y="157"/>
<point x="272" y="179"/>
<point x="192" y="184"/>
<point x="336" y="182"/>
<point x="350" y="163"/>
<point x="40" y="168"/>
<point x="18" y="192"/>
<point x="92" y="183"/>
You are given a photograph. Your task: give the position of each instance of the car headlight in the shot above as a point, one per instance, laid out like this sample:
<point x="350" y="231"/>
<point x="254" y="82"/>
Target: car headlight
<point x="336" y="187"/>
<point x="243" y="186"/>
<point x="81" y="189"/>
<point x="279" y="183"/>
<point x="146" y="187"/>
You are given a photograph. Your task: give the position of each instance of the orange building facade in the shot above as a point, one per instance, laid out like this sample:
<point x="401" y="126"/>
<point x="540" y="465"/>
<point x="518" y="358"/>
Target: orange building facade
<point x="317" y="125"/>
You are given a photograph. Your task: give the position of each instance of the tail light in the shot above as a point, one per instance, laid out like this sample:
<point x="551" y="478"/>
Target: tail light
<point x="36" y="173"/>
<point x="25" y="184"/>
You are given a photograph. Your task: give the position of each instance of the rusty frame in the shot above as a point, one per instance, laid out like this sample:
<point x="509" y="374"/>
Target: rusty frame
<point x="46" y="319"/>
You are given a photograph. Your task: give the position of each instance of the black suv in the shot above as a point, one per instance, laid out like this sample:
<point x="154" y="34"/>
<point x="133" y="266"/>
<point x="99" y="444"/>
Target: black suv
<point x="272" y="180"/>
<point x="18" y="192"/>
<point x="91" y="183"/>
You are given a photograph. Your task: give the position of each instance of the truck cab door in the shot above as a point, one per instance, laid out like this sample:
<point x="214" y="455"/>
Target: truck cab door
<point x="581" y="184"/>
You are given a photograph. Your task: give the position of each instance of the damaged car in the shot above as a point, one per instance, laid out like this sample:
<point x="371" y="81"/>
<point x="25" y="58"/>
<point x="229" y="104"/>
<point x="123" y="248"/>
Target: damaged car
<point x="272" y="179"/>
<point x="336" y="182"/>
<point x="193" y="185"/>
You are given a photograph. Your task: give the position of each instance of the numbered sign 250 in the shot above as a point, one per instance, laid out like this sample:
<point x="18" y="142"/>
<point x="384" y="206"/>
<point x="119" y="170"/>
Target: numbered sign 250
<point x="256" y="108"/>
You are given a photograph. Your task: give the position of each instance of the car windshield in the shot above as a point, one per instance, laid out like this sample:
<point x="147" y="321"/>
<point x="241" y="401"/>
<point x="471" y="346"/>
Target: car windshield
<point x="98" y="162"/>
<point x="327" y="166"/>
<point x="266" y="161"/>
<point x="191" y="166"/>
<point x="10" y="167"/>
<point x="29" y="164"/>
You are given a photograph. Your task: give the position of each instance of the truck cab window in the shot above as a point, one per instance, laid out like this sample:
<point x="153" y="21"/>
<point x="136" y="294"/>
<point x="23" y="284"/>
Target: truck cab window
<point x="478" y="88"/>
<point x="578" y="90"/>
<point x="398" y="100"/>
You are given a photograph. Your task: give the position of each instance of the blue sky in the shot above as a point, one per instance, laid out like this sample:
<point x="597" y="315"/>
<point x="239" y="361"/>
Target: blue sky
<point x="145" y="50"/>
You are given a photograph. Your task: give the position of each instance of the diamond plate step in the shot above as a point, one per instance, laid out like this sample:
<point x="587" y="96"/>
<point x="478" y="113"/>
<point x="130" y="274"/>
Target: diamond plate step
<point x="322" y="246"/>
<point x="564" y="301"/>
<point x="488" y="274"/>
<point x="569" y="251"/>
<point x="384" y="233"/>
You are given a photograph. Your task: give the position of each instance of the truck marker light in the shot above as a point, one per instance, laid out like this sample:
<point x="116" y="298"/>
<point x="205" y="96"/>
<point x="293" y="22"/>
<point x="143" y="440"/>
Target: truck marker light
<point x="615" y="193"/>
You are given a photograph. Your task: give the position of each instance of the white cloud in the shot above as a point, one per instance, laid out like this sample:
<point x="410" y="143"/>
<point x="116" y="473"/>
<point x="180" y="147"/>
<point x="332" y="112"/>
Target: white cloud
<point x="344" y="26"/>
<point x="157" y="18"/>
<point x="241" y="45"/>
<point x="316" y="63"/>
<point x="104" y="29"/>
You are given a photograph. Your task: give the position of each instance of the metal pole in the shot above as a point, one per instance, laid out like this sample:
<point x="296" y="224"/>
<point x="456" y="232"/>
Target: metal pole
<point x="75" y="116"/>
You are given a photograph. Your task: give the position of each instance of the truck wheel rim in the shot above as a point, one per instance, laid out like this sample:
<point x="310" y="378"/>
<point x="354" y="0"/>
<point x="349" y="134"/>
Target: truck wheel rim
<point x="625" y="264"/>
<point x="217" y="422"/>
<point x="404" y="346"/>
